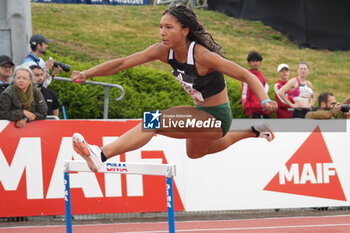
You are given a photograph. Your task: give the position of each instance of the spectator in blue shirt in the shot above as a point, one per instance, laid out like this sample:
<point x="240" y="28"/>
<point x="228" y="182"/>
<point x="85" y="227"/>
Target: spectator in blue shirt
<point x="38" y="45"/>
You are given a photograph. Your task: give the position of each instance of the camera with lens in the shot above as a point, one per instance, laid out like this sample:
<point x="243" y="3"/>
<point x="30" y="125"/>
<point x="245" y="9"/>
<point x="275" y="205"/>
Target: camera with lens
<point x="345" y="107"/>
<point x="64" y="67"/>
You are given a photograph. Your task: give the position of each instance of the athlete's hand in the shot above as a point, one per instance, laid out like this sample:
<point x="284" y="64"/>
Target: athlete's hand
<point x="270" y="106"/>
<point x="78" y="76"/>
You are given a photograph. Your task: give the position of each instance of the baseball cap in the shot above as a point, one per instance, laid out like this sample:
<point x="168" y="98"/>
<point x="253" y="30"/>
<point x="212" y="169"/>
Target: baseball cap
<point x="5" y="59"/>
<point x="282" y="66"/>
<point x="38" y="39"/>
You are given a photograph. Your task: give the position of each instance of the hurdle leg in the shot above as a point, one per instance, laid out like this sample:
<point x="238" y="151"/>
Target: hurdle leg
<point x="170" y="204"/>
<point x="67" y="202"/>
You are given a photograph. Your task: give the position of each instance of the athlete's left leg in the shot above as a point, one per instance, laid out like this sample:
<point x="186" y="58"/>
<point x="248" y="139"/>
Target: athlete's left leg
<point x="229" y="139"/>
<point x="198" y="147"/>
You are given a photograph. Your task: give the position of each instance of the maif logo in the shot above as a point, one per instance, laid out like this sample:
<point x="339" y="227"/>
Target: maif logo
<point x="309" y="172"/>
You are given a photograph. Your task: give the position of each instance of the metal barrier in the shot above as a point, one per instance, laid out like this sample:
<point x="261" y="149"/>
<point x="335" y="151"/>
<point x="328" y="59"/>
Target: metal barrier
<point x="107" y="89"/>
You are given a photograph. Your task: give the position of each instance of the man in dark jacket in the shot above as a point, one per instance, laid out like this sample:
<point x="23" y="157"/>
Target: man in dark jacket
<point x="49" y="95"/>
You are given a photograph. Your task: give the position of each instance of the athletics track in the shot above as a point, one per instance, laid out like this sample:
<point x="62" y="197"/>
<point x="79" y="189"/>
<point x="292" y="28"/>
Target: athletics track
<point x="319" y="224"/>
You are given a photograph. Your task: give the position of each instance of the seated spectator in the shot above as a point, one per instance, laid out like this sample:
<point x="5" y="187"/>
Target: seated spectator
<point x="6" y="68"/>
<point x="284" y="110"/>
<point x="328" y="108"/>
<point x="49" y="95"/>
<point x="250" y="102"/>
<point x="21" y="101"/>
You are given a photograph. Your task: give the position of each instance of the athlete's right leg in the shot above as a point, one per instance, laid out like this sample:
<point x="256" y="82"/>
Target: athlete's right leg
<point x="131" y="140"/>
<point x="95" y="156"/>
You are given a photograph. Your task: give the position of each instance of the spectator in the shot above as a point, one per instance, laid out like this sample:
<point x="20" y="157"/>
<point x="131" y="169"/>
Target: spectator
<point x="6" y="68"/>
<point x="251" y="103"/>
<point x="49" y="95"/>
<point x="284" y="111"/>
<point x="21" y="102"/>
<point x="328" y="108"/>
<point x="38" y="44"/>
<point x="301" y="88"/>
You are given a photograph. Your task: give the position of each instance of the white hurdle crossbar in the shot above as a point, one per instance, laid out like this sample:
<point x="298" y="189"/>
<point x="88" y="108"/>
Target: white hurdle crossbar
<point x="167" y="170"/>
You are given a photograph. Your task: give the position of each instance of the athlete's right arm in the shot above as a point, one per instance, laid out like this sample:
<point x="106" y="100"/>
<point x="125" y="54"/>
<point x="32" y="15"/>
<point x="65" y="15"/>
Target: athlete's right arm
<point x="154" y="52"/>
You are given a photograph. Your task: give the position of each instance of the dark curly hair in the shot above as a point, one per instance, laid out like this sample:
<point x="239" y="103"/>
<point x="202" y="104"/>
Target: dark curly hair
<point x="188" y="19"/>
<point x="254" y="56"/>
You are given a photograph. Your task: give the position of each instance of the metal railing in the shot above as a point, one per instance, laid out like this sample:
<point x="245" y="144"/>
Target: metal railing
<point x="107" y="90"/>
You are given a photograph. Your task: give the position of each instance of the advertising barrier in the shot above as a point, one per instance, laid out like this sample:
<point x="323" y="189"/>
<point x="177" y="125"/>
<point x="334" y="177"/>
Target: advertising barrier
<point x="297" y="169"/>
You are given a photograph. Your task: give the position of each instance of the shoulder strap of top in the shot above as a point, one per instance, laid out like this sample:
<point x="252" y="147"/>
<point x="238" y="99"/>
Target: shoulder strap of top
<point x="171" y="54"/>
<point x="190" y="54"/>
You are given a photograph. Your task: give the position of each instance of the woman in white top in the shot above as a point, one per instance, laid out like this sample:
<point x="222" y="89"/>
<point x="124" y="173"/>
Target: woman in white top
<point x="301" y="88"/>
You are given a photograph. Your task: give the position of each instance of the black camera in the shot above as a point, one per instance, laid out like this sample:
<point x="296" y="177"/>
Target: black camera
<point x="64" y="67"/>
<point x="345" y="107"/>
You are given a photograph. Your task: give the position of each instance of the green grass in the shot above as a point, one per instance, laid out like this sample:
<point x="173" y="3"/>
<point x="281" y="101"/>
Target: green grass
<point x="90" y="34"/>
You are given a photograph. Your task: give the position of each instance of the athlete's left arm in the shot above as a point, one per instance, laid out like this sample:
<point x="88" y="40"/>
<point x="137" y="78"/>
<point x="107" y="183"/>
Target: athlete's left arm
<point x="213" y="62"/>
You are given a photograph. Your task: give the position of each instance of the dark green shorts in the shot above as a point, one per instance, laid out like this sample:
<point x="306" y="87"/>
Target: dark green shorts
<point x="221" y="112"/>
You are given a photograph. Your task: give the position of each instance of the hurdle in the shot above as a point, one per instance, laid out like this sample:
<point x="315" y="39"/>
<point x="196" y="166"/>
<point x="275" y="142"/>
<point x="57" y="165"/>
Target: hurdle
<point x="167" y="170"/>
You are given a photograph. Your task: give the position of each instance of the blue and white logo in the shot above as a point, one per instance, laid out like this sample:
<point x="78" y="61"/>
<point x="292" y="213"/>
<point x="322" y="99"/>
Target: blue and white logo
<point x="151" y="120"/>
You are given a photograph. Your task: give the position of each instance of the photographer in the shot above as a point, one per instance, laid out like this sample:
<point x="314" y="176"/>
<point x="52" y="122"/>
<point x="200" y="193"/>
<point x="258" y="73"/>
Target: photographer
<point x="38" y="44"/>
<point x="6" y="68"/>
<point x="328" y="108"/>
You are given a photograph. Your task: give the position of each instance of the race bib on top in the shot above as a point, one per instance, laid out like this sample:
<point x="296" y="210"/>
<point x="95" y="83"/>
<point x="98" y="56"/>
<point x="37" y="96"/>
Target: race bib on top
<point x="305" y="91"/>
<point x="187" y="82"/>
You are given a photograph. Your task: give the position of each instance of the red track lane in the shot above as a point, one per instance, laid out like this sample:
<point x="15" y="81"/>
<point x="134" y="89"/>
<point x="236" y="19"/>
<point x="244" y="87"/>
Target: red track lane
<point x="321" y="224"/>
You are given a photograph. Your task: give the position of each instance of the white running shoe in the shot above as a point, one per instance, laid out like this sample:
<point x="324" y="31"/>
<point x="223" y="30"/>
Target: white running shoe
<point x="91" y="153"/>
<point x="264" y="131"/>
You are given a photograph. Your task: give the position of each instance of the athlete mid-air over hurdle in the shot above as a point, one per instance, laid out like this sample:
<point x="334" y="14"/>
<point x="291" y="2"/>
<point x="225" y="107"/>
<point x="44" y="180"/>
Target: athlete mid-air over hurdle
<point x="199" y="67"/>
